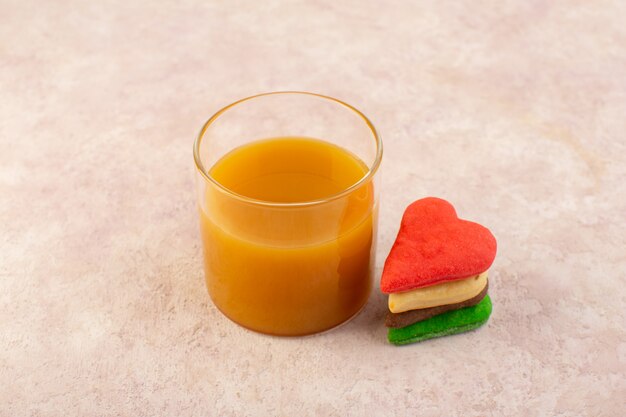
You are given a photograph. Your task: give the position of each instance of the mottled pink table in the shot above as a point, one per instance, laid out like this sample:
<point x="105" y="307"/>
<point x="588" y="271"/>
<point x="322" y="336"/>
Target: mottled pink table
<point x="515" y="111"/>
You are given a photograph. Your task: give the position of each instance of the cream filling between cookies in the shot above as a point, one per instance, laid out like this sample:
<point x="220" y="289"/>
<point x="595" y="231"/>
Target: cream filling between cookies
<point x="437" y="295"/>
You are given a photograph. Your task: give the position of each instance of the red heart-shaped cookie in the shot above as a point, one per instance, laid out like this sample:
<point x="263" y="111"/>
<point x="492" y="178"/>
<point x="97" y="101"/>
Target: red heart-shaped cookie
<point x="435" y="246"/>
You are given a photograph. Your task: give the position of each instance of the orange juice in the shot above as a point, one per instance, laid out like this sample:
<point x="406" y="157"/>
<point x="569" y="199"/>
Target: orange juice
<point x="303" y="263"/>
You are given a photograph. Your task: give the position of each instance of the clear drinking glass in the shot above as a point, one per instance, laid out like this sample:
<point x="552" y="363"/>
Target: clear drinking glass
<point x="283" y="255"/>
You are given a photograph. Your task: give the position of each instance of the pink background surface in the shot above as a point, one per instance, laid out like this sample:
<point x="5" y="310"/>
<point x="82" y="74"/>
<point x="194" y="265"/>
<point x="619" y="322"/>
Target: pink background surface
<point x="515" y="111"/>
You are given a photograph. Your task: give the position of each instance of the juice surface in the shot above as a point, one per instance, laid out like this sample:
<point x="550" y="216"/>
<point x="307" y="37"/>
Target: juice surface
<point x="289" y="270"/>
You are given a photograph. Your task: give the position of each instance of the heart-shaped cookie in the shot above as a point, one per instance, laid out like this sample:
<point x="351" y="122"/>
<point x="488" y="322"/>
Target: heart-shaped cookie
<point x="435" y="246"/>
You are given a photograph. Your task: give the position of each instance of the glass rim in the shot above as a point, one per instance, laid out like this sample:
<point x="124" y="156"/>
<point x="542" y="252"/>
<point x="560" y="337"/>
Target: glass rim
<point x="372" y="168"/>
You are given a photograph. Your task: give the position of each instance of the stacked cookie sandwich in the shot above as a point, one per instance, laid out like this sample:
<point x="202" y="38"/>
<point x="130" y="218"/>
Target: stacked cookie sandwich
<point x="436" y="274"/>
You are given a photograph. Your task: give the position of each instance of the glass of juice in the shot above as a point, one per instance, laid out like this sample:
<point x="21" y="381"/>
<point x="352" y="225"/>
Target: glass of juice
<point x="288" y="201"/>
